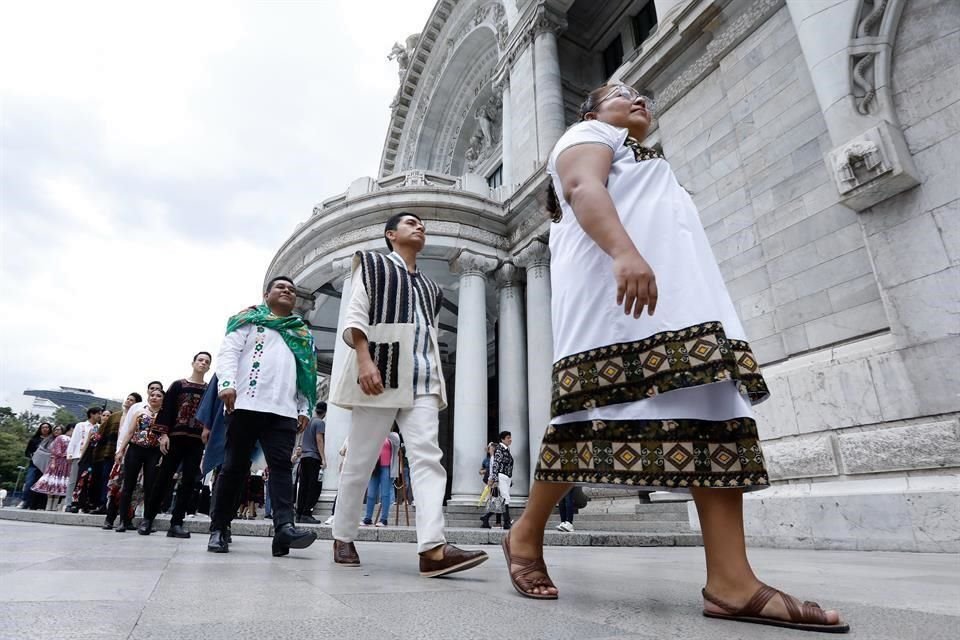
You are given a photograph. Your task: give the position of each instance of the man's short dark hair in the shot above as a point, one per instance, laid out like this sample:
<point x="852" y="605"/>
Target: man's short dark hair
<point x="153" y="382"/>
<point x="394" y="222"/>
<point x="277" y="279"/>
<point x="202" y="353"/>
<point x="504" y="434"/>
<point x="136" y="396"/>
<point x="321" y="407"/>
<point x="92" y="411"/>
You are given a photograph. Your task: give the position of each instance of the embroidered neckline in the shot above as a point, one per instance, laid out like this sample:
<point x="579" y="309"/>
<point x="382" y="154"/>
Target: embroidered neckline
<point x="640" y="152"/>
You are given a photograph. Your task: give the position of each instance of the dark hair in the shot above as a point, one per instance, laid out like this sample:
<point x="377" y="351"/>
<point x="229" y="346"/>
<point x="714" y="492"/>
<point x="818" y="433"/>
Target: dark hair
<point x="274" y="281"/>
<point x="321" y="407"/>
<point x="136" y="396"/>
<point x="394" y="222"/>
<point x="587" y="106"/>
<point x="92" y="411"/>
<point x="40" y="428"/>
<point x="152" y="382"/>
<point x="504" y="434"/>
<point x="202" y="353"/>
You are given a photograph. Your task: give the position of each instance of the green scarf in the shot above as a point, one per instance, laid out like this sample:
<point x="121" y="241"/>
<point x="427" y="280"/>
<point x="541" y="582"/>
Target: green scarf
<point x="297" y="337"/>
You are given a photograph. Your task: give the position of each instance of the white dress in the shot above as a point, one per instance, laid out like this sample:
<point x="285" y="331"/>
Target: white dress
<point x="660" y="401"/>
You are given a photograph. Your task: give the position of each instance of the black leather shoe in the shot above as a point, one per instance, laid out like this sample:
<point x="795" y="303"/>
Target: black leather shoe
<point x="307" y="519"/>
<point x="107" y="525"/>
<point x="217" y="544"/>
<point x="124" y="526"/>
<point x="177" y="531"/>
<point x="288" y="536"/>
<point x="146" y="527"/>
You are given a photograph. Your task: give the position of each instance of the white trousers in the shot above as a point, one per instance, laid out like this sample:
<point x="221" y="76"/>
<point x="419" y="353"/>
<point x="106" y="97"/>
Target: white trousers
<point x="503" y="484"/>
<point x="419" y="426"/>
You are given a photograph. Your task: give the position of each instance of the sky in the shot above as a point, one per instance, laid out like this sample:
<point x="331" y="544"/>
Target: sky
<point x="153" y="158"/>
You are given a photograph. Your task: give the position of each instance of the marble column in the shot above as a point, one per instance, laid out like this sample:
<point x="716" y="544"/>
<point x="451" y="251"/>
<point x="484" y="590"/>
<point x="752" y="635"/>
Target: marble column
<point x="470" y="394"/>
<point x="535" y="258"/>
<point x="547" y="81"/>
<point x="512" y="372"/>
<point x="338" y="418"/>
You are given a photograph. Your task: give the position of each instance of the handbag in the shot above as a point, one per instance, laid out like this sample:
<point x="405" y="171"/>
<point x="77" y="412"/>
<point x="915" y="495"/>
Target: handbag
<point x="495" y="502"/>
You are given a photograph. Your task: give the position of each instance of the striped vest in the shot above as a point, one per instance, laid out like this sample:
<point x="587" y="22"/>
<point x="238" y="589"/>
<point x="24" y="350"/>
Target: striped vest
<point x="392" y="292"/>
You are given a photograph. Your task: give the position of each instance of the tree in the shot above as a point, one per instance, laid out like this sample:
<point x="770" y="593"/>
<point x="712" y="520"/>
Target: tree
<point x="64" y="417"/>
<point x="15" y="431"/>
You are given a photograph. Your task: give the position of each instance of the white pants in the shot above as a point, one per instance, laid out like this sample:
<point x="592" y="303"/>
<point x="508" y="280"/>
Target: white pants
<point x="419" y="426"/>
<point x="503" y="484"/>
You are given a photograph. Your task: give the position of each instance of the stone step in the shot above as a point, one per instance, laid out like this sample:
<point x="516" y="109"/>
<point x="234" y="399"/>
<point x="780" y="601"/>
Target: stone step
<point x="199" y="526"/>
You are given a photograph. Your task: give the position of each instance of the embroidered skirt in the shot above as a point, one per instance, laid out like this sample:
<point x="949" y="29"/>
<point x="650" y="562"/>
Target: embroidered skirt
<point x="665" y="413"/>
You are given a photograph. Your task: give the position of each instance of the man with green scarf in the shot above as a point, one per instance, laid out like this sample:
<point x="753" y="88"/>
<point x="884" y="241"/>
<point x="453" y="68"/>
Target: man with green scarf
<point x="267" y="376"/>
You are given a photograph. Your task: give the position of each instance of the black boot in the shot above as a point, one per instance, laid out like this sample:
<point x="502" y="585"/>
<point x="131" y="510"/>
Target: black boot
<point x="177" y="531"/>
<point x="227" y="534"/>
<point x="507" y="522"/>
<point x="289" y="536"/>
<point x="124" y="526"/>
<point x="217" y="543"/>
<point x="146" y="527"/>
<point x="107" y="524"/>
<point x="485" y="521"/>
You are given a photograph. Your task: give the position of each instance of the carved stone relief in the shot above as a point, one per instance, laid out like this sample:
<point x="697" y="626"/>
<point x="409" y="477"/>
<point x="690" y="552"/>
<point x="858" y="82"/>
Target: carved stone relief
<point x="864" y="72"/>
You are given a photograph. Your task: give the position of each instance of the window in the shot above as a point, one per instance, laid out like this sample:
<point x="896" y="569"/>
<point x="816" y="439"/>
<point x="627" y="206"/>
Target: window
<point x="612" y="56"/>
<point x="644" y="22"/>
<point x="495" y="179"/>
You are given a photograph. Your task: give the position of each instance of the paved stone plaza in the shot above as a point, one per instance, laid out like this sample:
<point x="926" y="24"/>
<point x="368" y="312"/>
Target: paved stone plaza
<point x="78" y="583"/>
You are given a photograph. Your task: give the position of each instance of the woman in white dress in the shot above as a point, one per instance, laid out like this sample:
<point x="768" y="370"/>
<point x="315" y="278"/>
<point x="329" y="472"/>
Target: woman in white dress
<point x="653" y="377"/>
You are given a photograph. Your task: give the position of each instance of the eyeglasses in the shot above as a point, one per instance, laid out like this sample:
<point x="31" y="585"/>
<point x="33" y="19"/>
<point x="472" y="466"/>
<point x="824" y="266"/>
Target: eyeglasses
<point x="631" y="94"/>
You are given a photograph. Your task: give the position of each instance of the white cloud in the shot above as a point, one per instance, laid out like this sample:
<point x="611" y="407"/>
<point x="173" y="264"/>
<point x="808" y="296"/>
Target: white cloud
<point x="153" y="158"/>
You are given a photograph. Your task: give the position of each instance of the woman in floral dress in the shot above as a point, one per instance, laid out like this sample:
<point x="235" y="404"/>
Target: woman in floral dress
<point x="653" y="377"/>
<point x="55" y="478"/>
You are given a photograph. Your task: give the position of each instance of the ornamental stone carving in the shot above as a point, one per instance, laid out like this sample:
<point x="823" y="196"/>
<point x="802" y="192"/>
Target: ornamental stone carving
<point x="508" y="275"/>
<point x="864" y="73"/>
<point x="468" y="263"/>
<point x="872" y="167"/>
<point x="535" y="254"/>
<point x="545" y="21"/>
<point x="305" y="302"/>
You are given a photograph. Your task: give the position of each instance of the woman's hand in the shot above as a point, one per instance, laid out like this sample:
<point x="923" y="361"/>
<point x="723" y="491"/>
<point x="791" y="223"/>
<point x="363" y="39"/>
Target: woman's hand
<point x="119" y="457"/>
<point x="636" y="283"/>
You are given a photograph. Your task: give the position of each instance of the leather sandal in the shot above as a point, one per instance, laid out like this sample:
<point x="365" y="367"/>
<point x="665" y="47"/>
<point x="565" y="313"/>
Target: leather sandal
<point x="520" y="578"/>
<point x="804" y="616"/>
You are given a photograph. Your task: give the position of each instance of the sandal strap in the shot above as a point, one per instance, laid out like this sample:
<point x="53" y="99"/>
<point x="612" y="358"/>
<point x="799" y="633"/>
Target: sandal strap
<point x="805" y="612"/>
<point x="527" y="567"/>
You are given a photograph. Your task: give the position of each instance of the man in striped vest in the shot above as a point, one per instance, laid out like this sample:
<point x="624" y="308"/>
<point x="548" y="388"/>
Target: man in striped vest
<point x="395" y="376"/>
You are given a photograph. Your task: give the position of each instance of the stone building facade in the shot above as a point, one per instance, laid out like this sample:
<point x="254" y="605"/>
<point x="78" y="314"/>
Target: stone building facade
<point x="819" y="139"/>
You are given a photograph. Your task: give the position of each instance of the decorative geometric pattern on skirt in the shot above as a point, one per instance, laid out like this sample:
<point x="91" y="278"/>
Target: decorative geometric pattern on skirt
<point x="632" y="371"/>
<point x="654" y="454"/>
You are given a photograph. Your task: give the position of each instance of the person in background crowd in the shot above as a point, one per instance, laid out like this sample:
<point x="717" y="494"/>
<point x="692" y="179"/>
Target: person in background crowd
<point x="103" y="456"/>
<point x="381" y="480"/>
<point x="78" y="444"/>
<point x="44" y="431"/>
<point x="53" y="483"/>
<point x="85" y="495"/>
<point x="567" y="509"/>
<point x="114" y="476"/>
<point x="140" y="451"/>
<point x="485" y="475"/>
<point x="311" y="463"/>
<point x="127" y="419"/>
<point x="501" y="474"/>
<point x="181" y="445"/>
